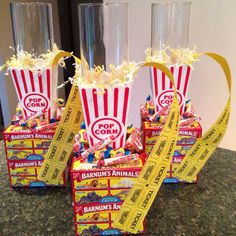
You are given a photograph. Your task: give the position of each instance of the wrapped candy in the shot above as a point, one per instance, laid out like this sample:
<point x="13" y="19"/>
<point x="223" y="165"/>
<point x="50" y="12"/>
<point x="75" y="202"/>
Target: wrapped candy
<point x="117" y="160"/>
<point x="117" y="152"/>
<point x="161" y="112"/>
<point x="189" y="112"/>
<point x="134" y="142"/>
<point x="98" y="146"/>
<point x="144" y="111"/>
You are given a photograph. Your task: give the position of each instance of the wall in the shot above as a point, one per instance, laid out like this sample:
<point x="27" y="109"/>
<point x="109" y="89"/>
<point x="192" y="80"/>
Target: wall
<point x="212" y="29"/>
<point x="7" y="40"/>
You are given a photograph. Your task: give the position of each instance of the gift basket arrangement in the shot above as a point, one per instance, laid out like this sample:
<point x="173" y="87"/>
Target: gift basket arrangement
<point x="116" y="169"/>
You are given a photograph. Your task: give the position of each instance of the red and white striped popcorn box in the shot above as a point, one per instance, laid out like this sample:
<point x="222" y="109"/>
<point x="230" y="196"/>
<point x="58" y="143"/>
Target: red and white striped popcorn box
<point x="163" y="89"/>
<point x="106" y="113"/>
<point x="36" y="89"/>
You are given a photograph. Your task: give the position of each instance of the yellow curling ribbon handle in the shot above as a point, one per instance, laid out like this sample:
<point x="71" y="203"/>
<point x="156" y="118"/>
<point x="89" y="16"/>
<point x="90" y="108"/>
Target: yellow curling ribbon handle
<point x="142" y="194"/>
<point x="61" y="146"/>
<point x="201" y="151"/>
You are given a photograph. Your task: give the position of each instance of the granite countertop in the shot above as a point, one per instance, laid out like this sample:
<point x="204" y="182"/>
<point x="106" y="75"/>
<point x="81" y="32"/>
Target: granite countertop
<point x="206" y="208"/>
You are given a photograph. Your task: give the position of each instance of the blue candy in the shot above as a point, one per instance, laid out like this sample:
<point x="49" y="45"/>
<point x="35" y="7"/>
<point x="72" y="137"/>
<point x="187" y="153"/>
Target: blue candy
<point x="107" y="152"/>
<point x="90" y="158"/>
<point x="187" y="101"/>
<point x="148" y="98"/>
<point x="127" y="152"/>
<point x="83" y="126"/>
<point x="52" y="120"/>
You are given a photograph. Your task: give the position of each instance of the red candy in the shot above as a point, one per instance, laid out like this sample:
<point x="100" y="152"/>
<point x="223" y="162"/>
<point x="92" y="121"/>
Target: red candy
<point x="144" y="111"/>
<point x="134" y="142"/>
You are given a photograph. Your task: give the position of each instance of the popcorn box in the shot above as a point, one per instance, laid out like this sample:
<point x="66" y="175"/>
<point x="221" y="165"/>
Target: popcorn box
<point x="163" y="89"/>
<point x="25" y="152"/>
<point x="36" y="90"/>
<point x="106" y="113"/>
<point x="98" y="195"/>
<point x="188" y="135"/>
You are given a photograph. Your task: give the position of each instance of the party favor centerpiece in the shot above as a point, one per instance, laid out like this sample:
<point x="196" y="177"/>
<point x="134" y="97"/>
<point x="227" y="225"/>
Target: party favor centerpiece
<point x="35" y="79"/>
<point x="101" y="183"/>
<point x="106" y="162"/>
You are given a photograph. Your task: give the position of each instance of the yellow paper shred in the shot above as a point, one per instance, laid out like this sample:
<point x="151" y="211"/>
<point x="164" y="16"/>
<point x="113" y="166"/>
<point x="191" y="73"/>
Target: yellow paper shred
<point x="26" y="60"/>
<point x="169" y="56"/>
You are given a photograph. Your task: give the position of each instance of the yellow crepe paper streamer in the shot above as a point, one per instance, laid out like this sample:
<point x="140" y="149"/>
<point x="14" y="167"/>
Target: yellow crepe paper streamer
<point x="61" y="146"/>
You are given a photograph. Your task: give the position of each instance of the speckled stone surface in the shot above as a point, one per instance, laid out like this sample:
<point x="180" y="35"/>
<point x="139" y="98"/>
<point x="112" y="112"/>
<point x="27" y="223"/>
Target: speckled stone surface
<point x="206" y="208"/>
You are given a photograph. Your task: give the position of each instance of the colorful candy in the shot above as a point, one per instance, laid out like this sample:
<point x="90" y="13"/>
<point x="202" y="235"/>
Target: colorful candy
<point x="160" y="116"/>
<point x="83" y="135"/>
<point x="99" y="154"/>
<point x="19" y="112"/>
<point x="144" y="111"/>
<point x="117" y="160"/>
<point x="117" y="152"/>
<point x="157" y="115"/>
<point x="99" y="145"/>
<point x="49" y="126"/>
<point x="25" y="121"/>
<point x="188" y="121"/>
<point x="134" y="142"/>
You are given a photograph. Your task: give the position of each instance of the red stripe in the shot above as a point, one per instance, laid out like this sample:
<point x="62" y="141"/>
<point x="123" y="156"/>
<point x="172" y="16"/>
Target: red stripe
<point x="126" y="97"/>
<point x="24" y="80"/>
<point x="40" y="81"/>
<point x="48" y="74"/>
<point x="49" y="114"/>
<point x="105" y="100"/>
<point x="114" y="145"/>
<point x="32" y="80"/>
<point x="179" y="77"/>
<point x="95" y="102"/>
<point x="163" y="81"/>
<point x="85" y="101"/>
<point x="155" y="81"/>
<point x="186" y="80"/>
<point x="121" y="141"/>
<point x="116" y="93"/>
<point x="17" y="83"/>
<point x="91" y="141"/>
<point x="26" y="115"/>
<point x="172" y="71"/>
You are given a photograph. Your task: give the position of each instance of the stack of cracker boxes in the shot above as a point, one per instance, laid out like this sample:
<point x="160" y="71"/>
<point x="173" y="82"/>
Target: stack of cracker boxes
<point x="25" y="152"/>
<point x="98" y="195"/>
